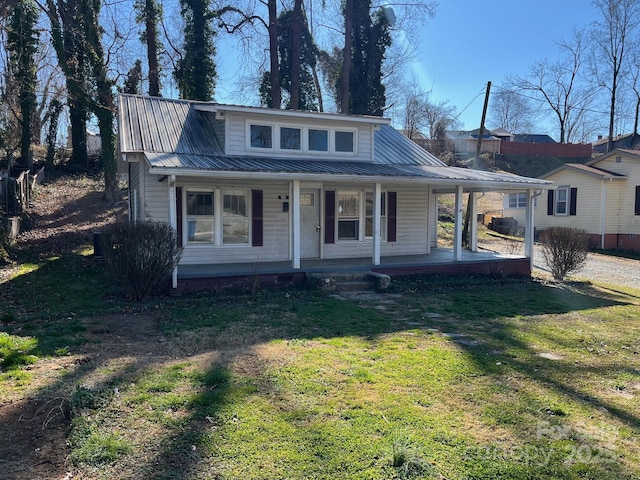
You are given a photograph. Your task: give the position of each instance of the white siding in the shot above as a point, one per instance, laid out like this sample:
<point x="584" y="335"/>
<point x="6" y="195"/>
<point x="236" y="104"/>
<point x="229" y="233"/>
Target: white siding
<point x="236" y="143"/>
<point x="620" y="211"/>
<point x="587" y="206"/>
<point x="411" y="234"/>
<point x="275" y="229"/>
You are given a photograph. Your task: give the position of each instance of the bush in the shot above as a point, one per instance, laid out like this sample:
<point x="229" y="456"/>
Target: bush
<point x="141" y="255"/>
<point x="564" y="249"/>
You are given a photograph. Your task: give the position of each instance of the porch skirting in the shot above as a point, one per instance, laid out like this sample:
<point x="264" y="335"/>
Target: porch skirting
<point x="279" y="274"/>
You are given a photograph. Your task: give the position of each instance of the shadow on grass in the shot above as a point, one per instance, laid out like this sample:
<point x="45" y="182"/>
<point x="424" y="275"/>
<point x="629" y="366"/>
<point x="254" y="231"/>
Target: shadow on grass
<point x="218" y="320"/>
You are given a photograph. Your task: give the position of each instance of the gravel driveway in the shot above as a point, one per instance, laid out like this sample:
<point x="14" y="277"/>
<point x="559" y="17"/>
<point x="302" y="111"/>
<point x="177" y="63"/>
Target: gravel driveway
<point x="603" y="268"/>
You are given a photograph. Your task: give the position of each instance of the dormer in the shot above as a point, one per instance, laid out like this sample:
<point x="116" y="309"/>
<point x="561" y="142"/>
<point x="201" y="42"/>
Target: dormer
<point x="263" y="132"/>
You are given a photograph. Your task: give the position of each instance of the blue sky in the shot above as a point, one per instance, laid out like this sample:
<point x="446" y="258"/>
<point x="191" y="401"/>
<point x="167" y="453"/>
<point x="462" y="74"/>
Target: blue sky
<point x="469" y="43"/>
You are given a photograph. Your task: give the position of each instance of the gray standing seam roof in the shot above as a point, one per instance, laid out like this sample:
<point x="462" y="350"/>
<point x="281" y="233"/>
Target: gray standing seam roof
<point x="172" y="135"/>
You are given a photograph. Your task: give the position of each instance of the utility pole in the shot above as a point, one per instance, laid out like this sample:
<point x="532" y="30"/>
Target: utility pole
<point x="476" y="159"/>
<point x="476" y="164"/>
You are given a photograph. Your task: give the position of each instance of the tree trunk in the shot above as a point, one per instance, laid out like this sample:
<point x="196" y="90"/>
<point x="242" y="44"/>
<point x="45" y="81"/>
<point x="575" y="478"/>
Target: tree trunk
<point x="151" y="16"/>
<point x="296" y="41"/>
<point x="274" y="64"/>
<point x="346" y="56"/>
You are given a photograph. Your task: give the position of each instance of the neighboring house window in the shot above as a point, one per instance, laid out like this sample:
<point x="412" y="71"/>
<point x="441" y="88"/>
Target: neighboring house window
<point x="368" y="220"/>
<point x="517" y="200"/>
<point x="235" y="218"/>
<point x="637" y="204"/>
<point x="318" y="140"/>
<point x="563" y="201"/>
<point x="343" y="141"/>
<point x="348" y="215"/>
<point x="200" y="217"/>
<point x="290" y="138"/>
<point x="261" y="136"/>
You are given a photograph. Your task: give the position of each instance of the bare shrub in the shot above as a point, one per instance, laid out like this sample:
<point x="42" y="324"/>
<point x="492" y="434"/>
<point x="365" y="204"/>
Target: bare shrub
<point x="141" y="255"/>
<point x="564" y="249"/>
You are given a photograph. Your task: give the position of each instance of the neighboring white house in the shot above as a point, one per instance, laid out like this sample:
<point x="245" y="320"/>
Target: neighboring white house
<point x="248" y="185"/>
<point x="601" y="197"/>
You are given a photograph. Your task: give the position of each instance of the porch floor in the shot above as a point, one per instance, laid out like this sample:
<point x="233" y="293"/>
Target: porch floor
<point x="439" y="257"/>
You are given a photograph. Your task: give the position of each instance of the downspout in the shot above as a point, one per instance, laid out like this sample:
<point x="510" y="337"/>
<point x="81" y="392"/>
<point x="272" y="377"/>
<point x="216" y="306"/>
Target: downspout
<point x="603" y="217"/>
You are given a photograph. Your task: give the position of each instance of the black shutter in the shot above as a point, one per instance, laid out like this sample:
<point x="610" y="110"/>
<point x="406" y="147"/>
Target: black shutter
<point x="329" y="216"/>
<point x="257" y="222"/>
<point x="550" y="203"/>
<point x="392" y="219"/>
<point x="637" y="210"/>
<point x="573" y="201"/>
<point x="179" y="215"/>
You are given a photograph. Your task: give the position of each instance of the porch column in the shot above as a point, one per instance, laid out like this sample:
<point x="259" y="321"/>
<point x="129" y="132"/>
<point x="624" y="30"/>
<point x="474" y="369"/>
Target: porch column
<point x="173" y="222"/>
<point x="377" y="212"/>
<point x="603" y="216"/>
<point x="431" y="223"/>
<point x="295" y="220"/>
<point x="473" y="223"/>
<point x="528" y="228"/>
<point x="457" y="230"/>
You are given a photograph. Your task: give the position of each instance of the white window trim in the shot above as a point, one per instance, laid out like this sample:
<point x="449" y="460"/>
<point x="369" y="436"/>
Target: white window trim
<point x="524" y="203"/>
<point x="218" y="207"/>
<point x="304" y="141"/>
<point x="383" y="224"/>
<point x="362" y="217"/>
<point x="567" y="200"/>
<point x="249" y="147"/>
<point x="185" y="217"/>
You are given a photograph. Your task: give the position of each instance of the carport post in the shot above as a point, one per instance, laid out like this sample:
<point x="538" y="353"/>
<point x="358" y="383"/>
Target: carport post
<point x="173" y="222"/>
<point x="457" y="231"/>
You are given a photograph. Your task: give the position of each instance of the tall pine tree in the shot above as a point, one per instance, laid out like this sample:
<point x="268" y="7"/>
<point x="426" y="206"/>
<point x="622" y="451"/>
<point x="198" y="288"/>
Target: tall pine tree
<point x="359" y="85"/>
<point x="195" y="72"/>
<point x="149" y="14"/>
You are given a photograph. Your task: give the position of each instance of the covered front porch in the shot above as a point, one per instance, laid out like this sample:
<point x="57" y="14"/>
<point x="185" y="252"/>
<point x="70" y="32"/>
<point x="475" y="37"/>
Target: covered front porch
<point x="439" y="261"/>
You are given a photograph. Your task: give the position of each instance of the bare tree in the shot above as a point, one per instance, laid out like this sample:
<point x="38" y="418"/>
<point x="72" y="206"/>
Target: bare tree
<point x="612" y="35"/>
<point x="512" y="111"/>
<point x="560" y="86"/>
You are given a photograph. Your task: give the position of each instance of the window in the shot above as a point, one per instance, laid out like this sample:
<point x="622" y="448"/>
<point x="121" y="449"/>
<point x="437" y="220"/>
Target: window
<point x="261" y="136"/>
<point x="318" y="140"/>
<point x="200" y="217"/>
<point x="290" y="138"/>
<point x="348" y="215"/>
<point x="235" y="218"/>
<point x="517" y="200"/>
<point x="562" y="198"/>
<point x="368" y="220"/>
<point x="344" y="141"/>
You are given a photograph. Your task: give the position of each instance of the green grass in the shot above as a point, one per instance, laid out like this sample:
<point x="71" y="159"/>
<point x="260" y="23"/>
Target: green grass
<point x="457" y="378"/>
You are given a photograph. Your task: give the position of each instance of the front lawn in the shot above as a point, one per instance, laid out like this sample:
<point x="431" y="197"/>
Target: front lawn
<point x="440" y="378"/>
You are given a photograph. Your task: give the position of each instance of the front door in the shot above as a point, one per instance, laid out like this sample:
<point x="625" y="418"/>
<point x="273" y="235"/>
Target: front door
<point x="310" y="223"/>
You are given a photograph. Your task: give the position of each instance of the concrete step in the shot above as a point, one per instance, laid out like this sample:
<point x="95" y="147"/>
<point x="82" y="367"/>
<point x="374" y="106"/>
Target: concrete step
<point x="351" y="281"/>
<point x="354" y="286"/>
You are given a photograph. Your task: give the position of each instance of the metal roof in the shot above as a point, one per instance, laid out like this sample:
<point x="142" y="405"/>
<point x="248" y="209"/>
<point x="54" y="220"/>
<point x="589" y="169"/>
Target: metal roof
<point x="176" y="138"/>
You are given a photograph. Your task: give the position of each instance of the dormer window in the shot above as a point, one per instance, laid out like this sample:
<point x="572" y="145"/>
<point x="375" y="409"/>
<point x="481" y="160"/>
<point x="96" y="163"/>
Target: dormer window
<point x="261" y="136"/>
<point x="290" y="138"/>
<point x="343" y="141"/>
<point x="318" y="140"/>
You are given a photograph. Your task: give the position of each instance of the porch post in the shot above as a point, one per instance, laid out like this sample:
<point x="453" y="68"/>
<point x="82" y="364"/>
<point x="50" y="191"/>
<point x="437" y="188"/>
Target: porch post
<point x="173" y="222"/>
<point x="295" y="219"/>
<point x="432" y="208"/>
<point x="473" y="223"/>
<point x="377" y="212"/>
<point x="528" y="228"/>
<point x="457" y="231"/>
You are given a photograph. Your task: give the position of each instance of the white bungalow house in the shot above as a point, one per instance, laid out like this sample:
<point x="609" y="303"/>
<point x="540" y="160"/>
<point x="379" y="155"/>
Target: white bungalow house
<point x="601" y="197"/>
<point x="260" y="191"/>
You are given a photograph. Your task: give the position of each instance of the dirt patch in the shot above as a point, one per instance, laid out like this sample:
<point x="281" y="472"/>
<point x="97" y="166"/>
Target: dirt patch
<point x="35" y="422"/>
